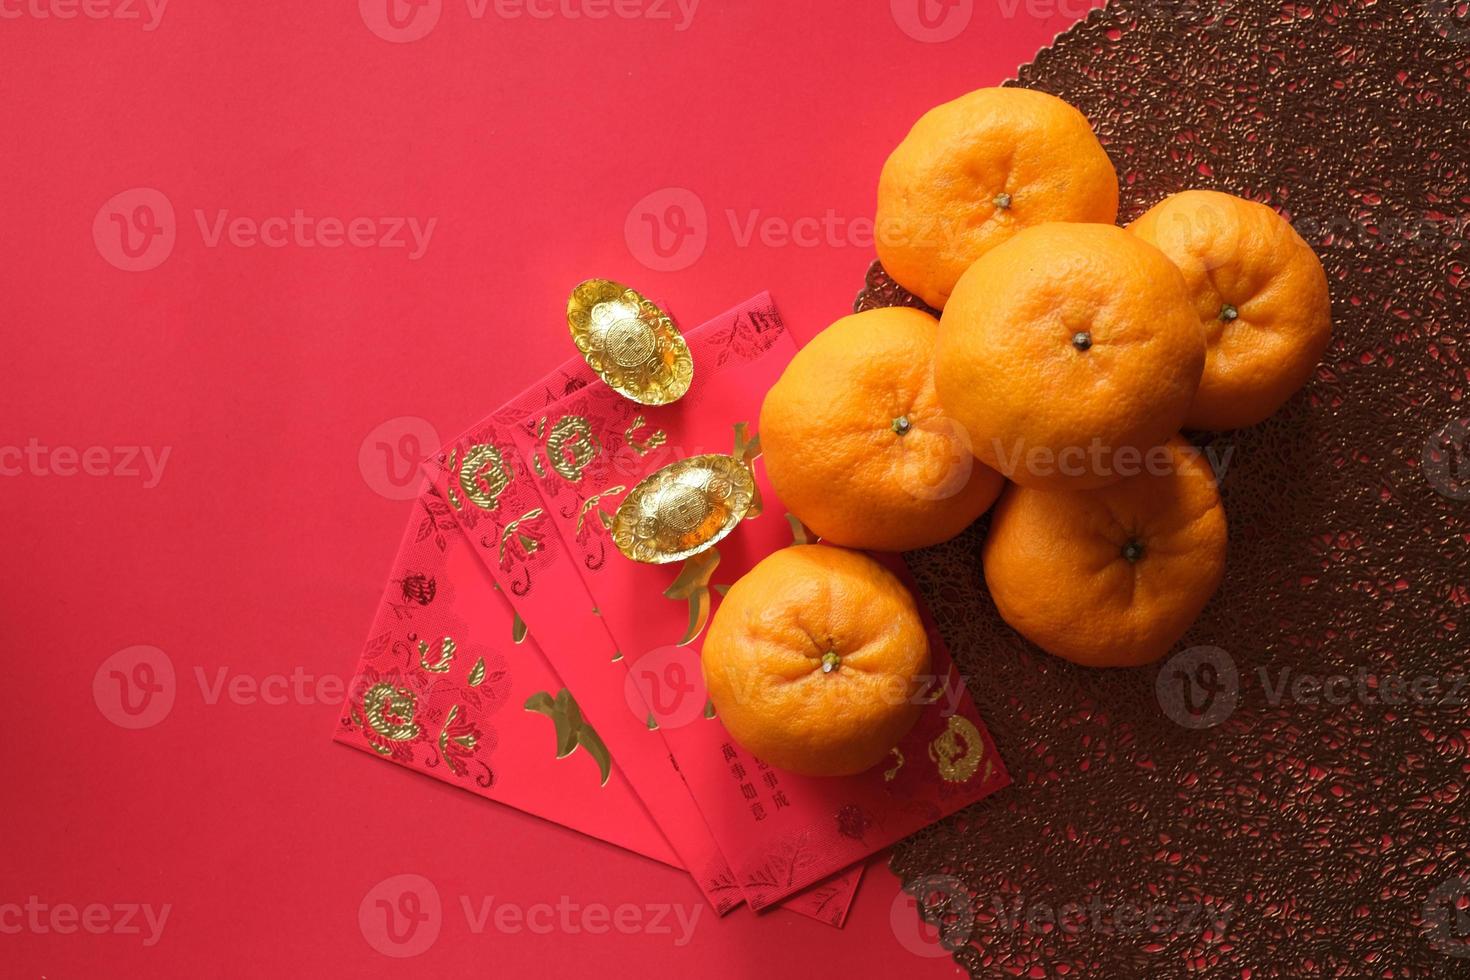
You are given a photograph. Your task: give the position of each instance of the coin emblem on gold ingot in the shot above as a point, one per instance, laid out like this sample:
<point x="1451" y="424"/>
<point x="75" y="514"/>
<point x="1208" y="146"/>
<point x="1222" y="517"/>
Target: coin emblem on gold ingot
<point x="683" y="508"/>
<point x="630" y="342"/>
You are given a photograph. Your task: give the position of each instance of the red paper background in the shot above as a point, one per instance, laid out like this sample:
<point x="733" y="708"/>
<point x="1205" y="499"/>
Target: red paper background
<point x="262" y="370"/>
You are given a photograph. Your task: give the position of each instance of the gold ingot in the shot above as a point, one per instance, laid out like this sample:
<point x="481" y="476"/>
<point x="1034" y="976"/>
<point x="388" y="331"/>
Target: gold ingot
<point x="631" y="343"/>
<point x="684" y="508"/>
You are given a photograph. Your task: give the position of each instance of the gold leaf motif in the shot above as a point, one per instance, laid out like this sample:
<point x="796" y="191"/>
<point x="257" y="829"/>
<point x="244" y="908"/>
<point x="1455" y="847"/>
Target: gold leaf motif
<point x="592" y="502"/>
<point x="889" y="774"/>
<point x="709" y="709"/>
<point x="572" y="730"/>
<point x="483" y="476"/>
<point x="384" y="700"/>
<point x="528" y="543"/>
<point x="957" y="763"/>
<point x="747" y="449"/>
<point x="446" y="656"/>
<point x="571" y="446"/>
<point x="467" y="740"/>
<point x="477" y="673"/>
<point x="632" y="344"/>
<point x="644" y="446"/>
<point x="517" y="627"/>
<point x="652" y="722"/>
<point x="692" y="585"/>
<point x="454" y="499"/>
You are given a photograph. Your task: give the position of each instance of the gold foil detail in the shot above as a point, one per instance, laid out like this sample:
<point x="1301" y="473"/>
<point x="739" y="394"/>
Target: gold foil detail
<point x="382" y="700"/>
<point x="517" y="627"/>
<point x="683" y="508"/>
<point x="746" y="451"/>
<point x="467" y="741"/>
<point x="446" y="656"/>
<point x="955" y="763"/>
<point x="477" y="673"/>
<point x="709" y="709"/>
<point x="592" y="502"/>
<point x="652" y="722"/>
<point x="692" y="585"/>
<point x="483" y="476"/>
<point x="644" y="446"/>
<point x="572" y="729"/>
<point x="571" y="446"/>
<point x="528" y="543"/>
<point x="890" y="774"/>
<point x="631" y="343"/>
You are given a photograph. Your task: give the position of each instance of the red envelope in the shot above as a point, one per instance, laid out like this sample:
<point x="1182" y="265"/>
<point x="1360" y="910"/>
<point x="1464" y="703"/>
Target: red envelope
<point x="488" y="490"/>
<point x="458" y="716"/>
<point x="780" y="832"/>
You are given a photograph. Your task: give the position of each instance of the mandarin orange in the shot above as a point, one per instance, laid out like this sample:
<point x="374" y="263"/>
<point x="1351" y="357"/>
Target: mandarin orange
<point x="814" y="659"/>
<point x="973" y="172"/>
<point x="856" y="443"/>
<point x="1110" y="577"/>
<point x="1067" y="351"/>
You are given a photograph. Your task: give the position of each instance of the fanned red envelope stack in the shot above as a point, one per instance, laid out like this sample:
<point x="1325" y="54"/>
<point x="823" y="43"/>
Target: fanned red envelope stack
<point x="598" y="714"/>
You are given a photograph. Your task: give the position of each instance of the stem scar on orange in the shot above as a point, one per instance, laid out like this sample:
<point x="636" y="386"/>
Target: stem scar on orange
<point x="857" y="446"/>
<point x="1259" y="291"/>
<point x="973" y="172"/>
<point x="1110" y="577"/>
<point x="1067" y="352"/>
<point x="814" y="658"/>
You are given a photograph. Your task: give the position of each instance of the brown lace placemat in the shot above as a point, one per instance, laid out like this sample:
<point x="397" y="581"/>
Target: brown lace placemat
<point x="1225" y="814"/>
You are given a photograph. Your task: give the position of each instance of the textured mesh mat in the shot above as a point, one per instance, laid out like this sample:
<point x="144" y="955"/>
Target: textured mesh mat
<point x="1215" y="815"/>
